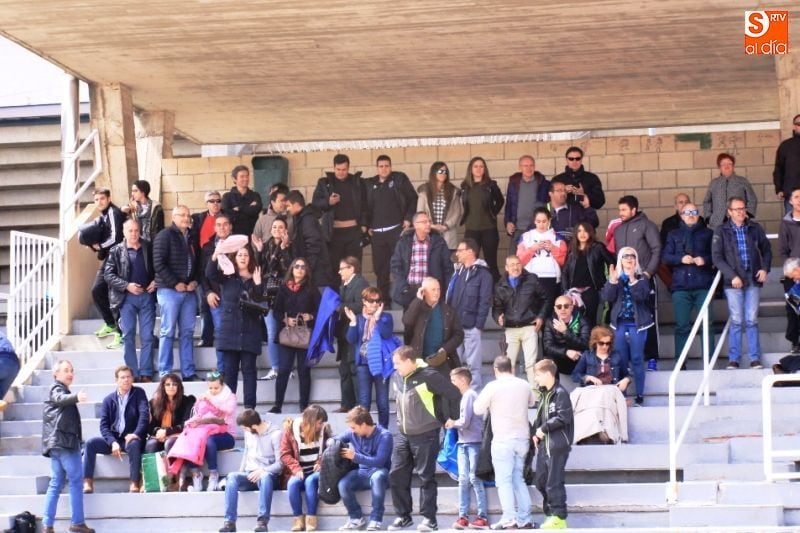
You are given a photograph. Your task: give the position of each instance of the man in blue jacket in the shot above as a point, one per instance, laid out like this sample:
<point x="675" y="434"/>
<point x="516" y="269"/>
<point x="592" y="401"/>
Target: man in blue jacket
<point x="527" y="190"/>
<point x="371" y="449"/>
<point x="123" y="423"/>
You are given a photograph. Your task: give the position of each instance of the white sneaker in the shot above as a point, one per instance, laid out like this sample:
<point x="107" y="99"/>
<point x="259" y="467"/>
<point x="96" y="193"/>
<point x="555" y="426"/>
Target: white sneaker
<point x="269" y="376"/>
<point x="197" y="482"/>
<point x="374" y="525"/>
<point x="213" y="481"/>
<point x="354" y="524"/>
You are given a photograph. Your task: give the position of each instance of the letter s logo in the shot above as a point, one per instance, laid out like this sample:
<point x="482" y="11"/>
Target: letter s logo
<point x="756" y="23"/>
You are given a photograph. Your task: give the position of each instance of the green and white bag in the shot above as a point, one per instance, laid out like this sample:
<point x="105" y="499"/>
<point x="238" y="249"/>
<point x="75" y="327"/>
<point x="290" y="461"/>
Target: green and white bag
<point x="154" y="472"/>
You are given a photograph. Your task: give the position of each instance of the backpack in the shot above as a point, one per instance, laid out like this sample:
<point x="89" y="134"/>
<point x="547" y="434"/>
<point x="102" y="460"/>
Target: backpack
<point x="24" y="522"/>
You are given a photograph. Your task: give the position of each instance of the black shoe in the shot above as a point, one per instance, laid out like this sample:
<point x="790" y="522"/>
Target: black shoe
<point x="228" y="527"/>
<point x="639" y="401"/>
<point x="193" y="377"/>
<point x="204" y="344"/>
<point x="261" y="525"/>
<point x="275" y="410"/>
<point x="401" y="522"/>
<point x="796" y="349"/>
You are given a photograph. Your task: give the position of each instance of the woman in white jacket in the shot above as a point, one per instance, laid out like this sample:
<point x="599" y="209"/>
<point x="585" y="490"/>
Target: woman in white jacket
<point x="543" y="253"/>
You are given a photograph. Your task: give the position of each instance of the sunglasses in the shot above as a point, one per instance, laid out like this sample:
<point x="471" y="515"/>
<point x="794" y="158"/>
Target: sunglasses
<point x="300" y="267"/>
<point x="443" y="171"/>
<point x="797" y="123"/>
<point x="603" y="343"/>
<point x="170" y="384"/>
<point x="575" y="158"/>
<point x="563" y="306"/>
<point x="214" y="201"/>
<point x="691" y="212"/>
<point x="372" y="301"/>
<point x="629" y="256"/>
<point x="213" y="375"/>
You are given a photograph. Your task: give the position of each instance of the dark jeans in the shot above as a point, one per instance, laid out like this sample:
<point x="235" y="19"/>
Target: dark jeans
<point x="96" y="445"/>
<point x="591" y="299"/>
<point x="344" y="242"/>
<point x="382" y="249"/>
<point x="247" y="361"/>
<point x="366" y="381"/>
<point x="153" y="446"/>
<point x="100" y="297"/>
<point x="553" y="289"/>
<point x="549" y="480"/>
<point x="415" y="454"/>
<point x="375" y="481"/>
<point x="347" y="372"/>
<point x="9" y="368"/>
<point x="287" y="357"/>
<point x="488" y="240"/>
<point x="792" y="320"/>
<point x="206" y="322"/>
<point x="651" y="344"/>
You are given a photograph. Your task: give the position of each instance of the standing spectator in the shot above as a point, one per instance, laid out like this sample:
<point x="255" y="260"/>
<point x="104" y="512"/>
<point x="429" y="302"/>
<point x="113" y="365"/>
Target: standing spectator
<point x="9" y="368"/>
<point x="209" y="286"/>
<point x="564" y="215"/>
<point x="419" y="254"/>
<point x="129" y="273"/>
<point x="641" y="234"/>
<point x="307" y="240"/>
<point x="341" y="199"/>
<point x="242" y="204"/>
<point x="177" y="273"/>
<point x="433" y="328"/>
<point x="688" y="253"/>
<point x="554" y="430"/>
<point x="482" y="200"/>
<point x="788" y="246"/>
<point x="786" y="175"/>
<point x="297" y="298"/>
<point x="124" y="415"/>
<point x="391" y="203"/>
<point x="628" y="290"/>
<point x="425" y="401"/>
<point x="724" y="187"/>
<point x="668" y="224"/>
<point x="520" y="306"/>
<point x="579" y="181"/>
<point x="470" y="294"/>
<point x="585" y="269"/>
<point x="111" y="219"/>
<point x="527" y="190"/>
<point x="543" y="253"/>
<point x="302" y="445"/>
<point x="240" y="332"/>
<point x="441" y="201"/>
<point x="371" y="449"/>
<point x="506" y="400"/>
<point x="203" y="230"/>
<point x="566" y="336"/>
<point x="170" y="408"/>
<point x="260" y="469"/>
<point x="148" y="212"/>
<point x="275" y="209"/>
<point x="61" y="442"/>
<point x="353" y="284"/>
<point x="366" y="333"/>
<point x="741" y="251"/>
<point x="470" y="435"/>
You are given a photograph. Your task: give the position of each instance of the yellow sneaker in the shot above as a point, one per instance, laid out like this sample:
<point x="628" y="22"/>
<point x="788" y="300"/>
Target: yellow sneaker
<point x="554" y="522"/>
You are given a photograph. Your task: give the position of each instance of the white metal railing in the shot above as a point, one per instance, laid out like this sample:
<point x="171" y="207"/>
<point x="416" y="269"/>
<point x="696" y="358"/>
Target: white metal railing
<point x="70" y="193"/>
<point x="771" y="454"/>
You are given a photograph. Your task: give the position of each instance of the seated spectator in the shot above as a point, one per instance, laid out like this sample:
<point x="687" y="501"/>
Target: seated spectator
<point x="600" y="410"/>
<point x="260" y="469"/>
<point x="147" y="212"/>
<point x="724" y="187"/>
<point x="123" y="427"/>
<point x="353" y="284"/>
<point x="585" y="269"/>
<point x="628" y="290"/>
<point x="369" y="353"/>
<point x="170" y="408"/>
<point x="566" y="335"/>
<point x="543" y="253"/>
<point x="9" y="368"/>
<point x="240" y="331"/>
<point x="297" y="298"/>
<point x="371" y="449"/>
<point x="302" y="444"/>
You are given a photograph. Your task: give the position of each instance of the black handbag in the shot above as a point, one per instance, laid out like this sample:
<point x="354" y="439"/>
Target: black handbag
<point x="247" y="305"/>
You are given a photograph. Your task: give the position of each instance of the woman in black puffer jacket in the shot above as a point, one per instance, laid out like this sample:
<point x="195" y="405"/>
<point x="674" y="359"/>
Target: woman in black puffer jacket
<point x="586" y="267"/>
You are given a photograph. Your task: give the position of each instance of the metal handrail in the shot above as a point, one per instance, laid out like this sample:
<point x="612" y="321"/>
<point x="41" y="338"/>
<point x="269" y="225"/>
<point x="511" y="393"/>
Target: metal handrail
<point x="69" y="197"/>
<point x="766" y="415"/>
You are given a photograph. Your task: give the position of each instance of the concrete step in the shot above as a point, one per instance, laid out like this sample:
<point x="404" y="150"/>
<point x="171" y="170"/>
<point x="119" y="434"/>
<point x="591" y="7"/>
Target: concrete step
<point x="741" y="493"/>
<point x="730" y="471"/>
<point x="43" y="195"/>
<point x="33" y="217"/>
<point x="17" y="485"/>
<point x="749" y="449"/>
<point x="738" y="516"/>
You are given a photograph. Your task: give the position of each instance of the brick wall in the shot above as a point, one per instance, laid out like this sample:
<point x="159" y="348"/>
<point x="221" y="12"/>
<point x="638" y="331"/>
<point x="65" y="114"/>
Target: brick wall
<point x="652" y="168"/>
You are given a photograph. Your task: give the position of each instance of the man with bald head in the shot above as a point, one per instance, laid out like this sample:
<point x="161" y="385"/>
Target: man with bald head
<point x="670" y="223"/>
<point x="688" y="253"/>
<point x="177" y="267"/>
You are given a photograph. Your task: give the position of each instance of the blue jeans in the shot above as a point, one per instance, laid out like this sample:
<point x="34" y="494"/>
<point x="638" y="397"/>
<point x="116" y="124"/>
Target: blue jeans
<point x="743" y="307"/>
<point x="215" y="443"/>
<point x="508" y="459"/>
<point x="178" y="310"/>
<point x="366" y="381"/>
<point x="272" y="345"/>
<point x="96" y="445"/>
<point x="310" y="485"/>
<point x="141" y="307"/>
<point x="64" y="464"/>
<point x="9" y="368"/>
<point x="375" y="480"/>
<point x="632" y="351"/>
<point x="467" y="462"/>
<point x="216" y="318"/>
<point x="238" y="481"/>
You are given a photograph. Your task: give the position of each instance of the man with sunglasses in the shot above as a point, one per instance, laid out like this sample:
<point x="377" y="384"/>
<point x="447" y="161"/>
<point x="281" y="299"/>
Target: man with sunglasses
<point x="527" y="190"/>
<point x="786" y="175"/>
<point x="688" y="253"/>
<point x="579" y="181"/>
<point x="566" y="335"/>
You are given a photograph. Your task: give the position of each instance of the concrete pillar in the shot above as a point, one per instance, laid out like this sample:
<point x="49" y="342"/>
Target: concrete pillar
<point x="787" y="68"/>
<point x="112" y="116"/>
<point x="154" y="133"/>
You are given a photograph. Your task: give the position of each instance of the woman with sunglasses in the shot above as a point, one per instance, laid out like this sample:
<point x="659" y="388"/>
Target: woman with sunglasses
<point x="627" y="290"/>
<point x="481" y="201"/>
<point x="170" y="408"/>
<point x="585" y="268"/>
<point x="240" y="332"/>
<point x="441" y="200"/>
<point x="297" y="299"/>
<point x="600" y="366"/>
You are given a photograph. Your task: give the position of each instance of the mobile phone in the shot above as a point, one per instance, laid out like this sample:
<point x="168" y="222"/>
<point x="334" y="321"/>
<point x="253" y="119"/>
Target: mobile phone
<point x="579" y="198"/>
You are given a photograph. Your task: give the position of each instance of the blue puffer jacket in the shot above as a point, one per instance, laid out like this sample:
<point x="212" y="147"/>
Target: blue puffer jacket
<point x="695" y="241"/>
<point x="613" y="293"/>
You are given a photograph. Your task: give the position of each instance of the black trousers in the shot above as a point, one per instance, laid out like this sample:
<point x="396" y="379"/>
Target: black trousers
<point x="382" y="249"/>
<point x="549" y="480"/>
<point x="100" y="297"/>
<point x="591" y="299"/>
<point x="344" y="242"/>
<point x="651" y="342"/>
<point x="347" y="371"/>
<point x="415" y="454"/>
<point x="488" y="240"/>
<point x="553" y="289"/>
<point x="792" y="320"/>
<point x="206" y="322"/>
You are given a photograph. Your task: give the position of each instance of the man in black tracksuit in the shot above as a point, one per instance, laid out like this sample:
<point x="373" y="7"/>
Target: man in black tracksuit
<point x="553" y="441"/>
<point x="112" y="219"/>
<point x="789" y="246"/>
<point x="786" y="175"/>
<point x="307" y="241"/>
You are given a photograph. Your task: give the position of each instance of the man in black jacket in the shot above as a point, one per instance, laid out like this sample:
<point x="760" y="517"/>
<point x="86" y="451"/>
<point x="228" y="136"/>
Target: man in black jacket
<point x="786" y="175"/>
<point x="789" y="247"/>
<point x="210" y="290"/>
<point x="391" y="203"/>
<point x="242" y="204"/>
<point x="203" y="227"/>
<point x="131" y="281"/>
<point x="112" y="219"/>
<point x="566" y="336"/>
<point x="520" y="305"/>
<point x="177" y="273"/>
<point x="579" y="181"/>
<point x="307" y="241"/>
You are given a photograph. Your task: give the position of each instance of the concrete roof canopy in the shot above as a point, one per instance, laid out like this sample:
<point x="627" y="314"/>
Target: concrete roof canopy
<point x="254" y="71"/>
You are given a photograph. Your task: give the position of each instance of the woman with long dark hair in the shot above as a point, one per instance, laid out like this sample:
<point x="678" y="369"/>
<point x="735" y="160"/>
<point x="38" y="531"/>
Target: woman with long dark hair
<point x="170" y="408"/>
<point x="441" y="200"/>
<point x="585" y="269"/>
<point x="482" y="200"/>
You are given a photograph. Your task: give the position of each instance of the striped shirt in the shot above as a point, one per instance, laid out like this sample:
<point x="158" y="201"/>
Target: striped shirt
<point x="309" y="451"/>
